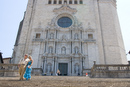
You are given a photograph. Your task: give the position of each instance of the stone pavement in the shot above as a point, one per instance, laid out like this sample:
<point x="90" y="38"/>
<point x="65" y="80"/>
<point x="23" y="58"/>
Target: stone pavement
<point x="64" y="81"/>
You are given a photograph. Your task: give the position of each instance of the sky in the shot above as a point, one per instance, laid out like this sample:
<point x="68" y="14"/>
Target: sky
<point x="12" y="12"/>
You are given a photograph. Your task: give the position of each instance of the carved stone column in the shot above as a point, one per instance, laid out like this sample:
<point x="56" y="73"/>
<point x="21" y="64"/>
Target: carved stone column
<point x="67" y="1"/>
<point x="72" y="1"/>
<point x="57" y="1"/>
<point x="80" y="60"/>
<point x="82" y="64"/>
<point x="71" y="65"/>
<point x="78" y="1"/>
<point x="45" y="61"/>
<point x="47" y="46"/>
<point x="52" y="1"/>
<point x="53" y="65"/>
<point x="56" y="65"/>
<point x="54" y="50"/>
<point x="62" y="1"/>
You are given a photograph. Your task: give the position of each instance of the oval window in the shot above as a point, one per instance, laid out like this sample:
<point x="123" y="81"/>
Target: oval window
<point x="64" y="22"/>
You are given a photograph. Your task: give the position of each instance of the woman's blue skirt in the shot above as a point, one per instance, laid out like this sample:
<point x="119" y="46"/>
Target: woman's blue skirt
<point x="27" y="74"/>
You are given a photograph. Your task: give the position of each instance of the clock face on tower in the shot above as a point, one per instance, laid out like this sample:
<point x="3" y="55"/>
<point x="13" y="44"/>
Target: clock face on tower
<point x="64" y="22"/>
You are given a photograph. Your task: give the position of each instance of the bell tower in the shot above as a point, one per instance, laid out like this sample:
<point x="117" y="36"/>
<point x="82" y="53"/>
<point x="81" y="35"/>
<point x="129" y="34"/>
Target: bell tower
<point x="112" y="42"/>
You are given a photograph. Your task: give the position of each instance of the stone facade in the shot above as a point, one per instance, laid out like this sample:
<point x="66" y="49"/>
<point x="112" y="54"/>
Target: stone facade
<point x="94" y="35"/>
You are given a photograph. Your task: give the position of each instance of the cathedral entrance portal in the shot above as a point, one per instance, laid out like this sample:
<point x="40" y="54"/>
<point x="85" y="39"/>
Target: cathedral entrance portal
<point x="63" y="67"/>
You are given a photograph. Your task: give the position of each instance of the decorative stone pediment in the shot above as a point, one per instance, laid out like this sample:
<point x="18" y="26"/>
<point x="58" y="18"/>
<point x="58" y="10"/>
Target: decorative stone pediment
<point x="76" y="27"/>
<point x="38" y="30"/>
<point x="89" y="29"/>
<point x="65" y="9"/>
<point x="51" y="26"/>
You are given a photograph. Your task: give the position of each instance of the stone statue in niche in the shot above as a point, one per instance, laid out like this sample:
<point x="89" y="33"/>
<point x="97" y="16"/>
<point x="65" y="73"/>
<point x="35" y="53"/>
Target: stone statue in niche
<point x="64" y="37"/>
<point x="76" y="50"/>
<point x="50" y="50"/>
<point x="49" y="67"/>
<point x="63" y="50"/>
<point x="76" y="36"/>
<point x="51" y="36"/>
<point x="77" y="69"/>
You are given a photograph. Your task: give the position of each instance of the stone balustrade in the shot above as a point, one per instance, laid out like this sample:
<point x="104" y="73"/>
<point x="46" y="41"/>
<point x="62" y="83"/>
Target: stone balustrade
<point x="110" y="71"/>
<point x="9" y="69"/>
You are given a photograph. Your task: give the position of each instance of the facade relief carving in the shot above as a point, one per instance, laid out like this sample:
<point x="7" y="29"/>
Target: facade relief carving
<point x="76" y="50"/>
<point x="76" y="36"/>
<point x="65" y="9"/>
<point x="76" y="68"/>
<point x="63" y="50"/>
<point x="62" y="41"/>
<point x="50" y="49"/>
<point x="64" y="37"/>
<point x="51" y="36"/>
<point x="90" y="29"/>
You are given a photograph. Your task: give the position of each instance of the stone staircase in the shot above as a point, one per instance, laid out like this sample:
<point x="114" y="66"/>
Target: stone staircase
<point x="64" y="81"/>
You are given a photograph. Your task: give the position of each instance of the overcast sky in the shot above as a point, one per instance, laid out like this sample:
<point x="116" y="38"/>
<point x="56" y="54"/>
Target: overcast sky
<point x="12" y="12"/>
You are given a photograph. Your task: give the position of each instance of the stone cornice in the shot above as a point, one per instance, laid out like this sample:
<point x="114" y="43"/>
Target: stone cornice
<point x="79" y="55"/>
<point x="64" y="41"/>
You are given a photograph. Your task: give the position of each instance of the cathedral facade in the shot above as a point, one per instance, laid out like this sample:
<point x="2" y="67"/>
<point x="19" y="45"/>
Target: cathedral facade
<point x="69" y="35"/>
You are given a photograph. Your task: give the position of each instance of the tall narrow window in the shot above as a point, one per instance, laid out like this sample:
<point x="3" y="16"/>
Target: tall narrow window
<point x="60" y="1"/>
<point x="75" y="2"/>
<point x="38" y="35"/>
<point x="70" y="1"/>
<point x="81" y="1"/>
<point x="49" y="2"/>
<point x="65" y="1"/>
<point x="55" y="2"/>
<point x="90" y="36"/>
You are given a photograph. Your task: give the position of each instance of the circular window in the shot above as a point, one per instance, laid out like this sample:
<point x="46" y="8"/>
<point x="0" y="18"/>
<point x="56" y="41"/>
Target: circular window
<point x="64" y="22"/>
